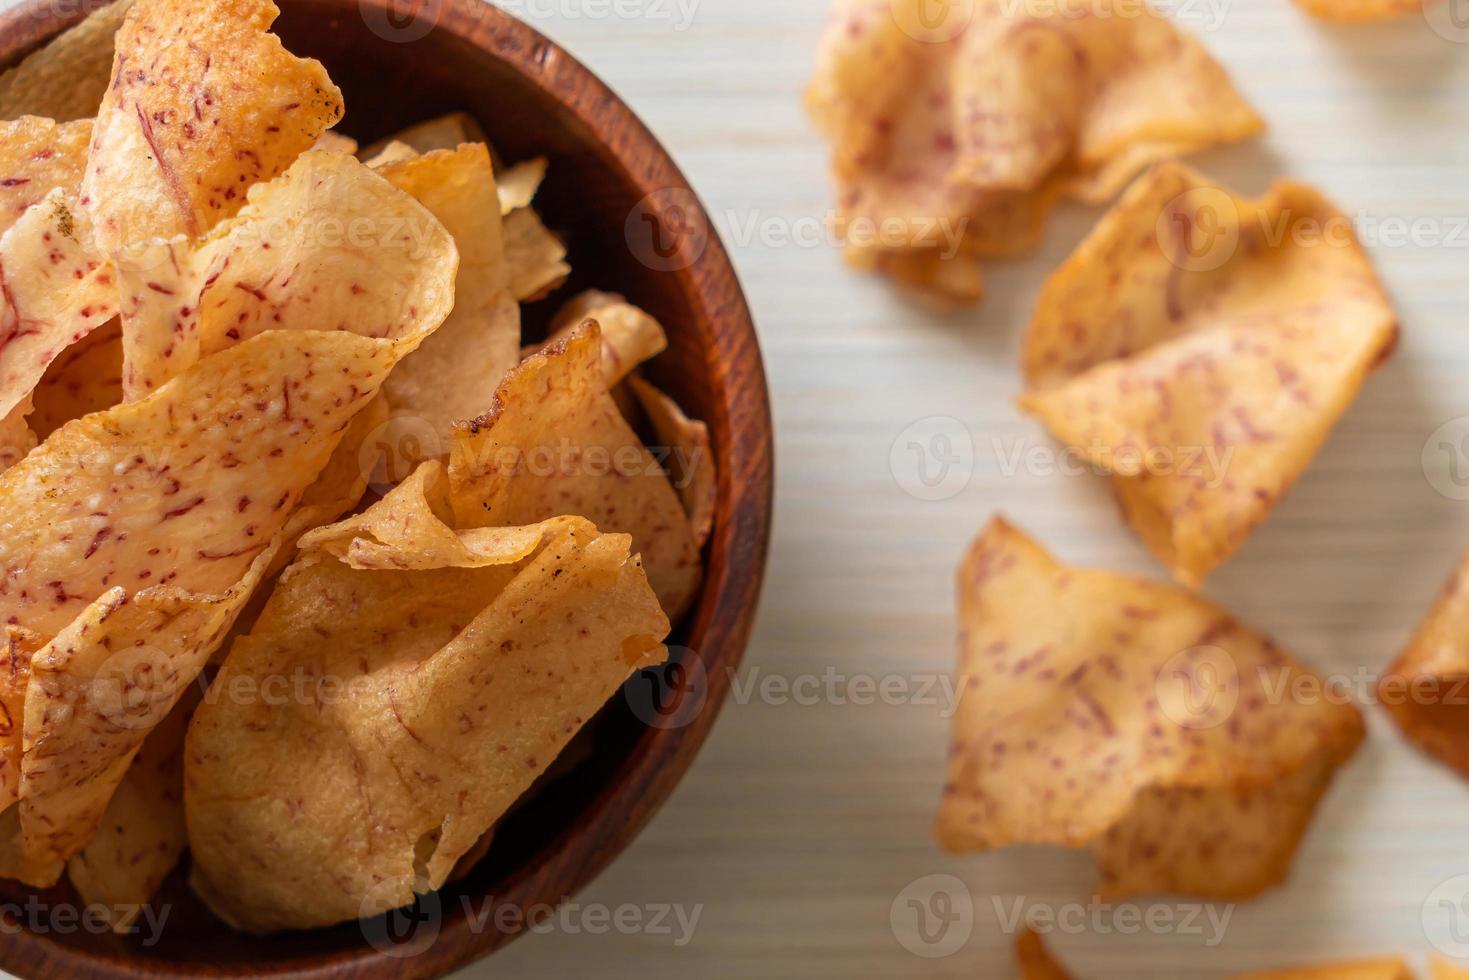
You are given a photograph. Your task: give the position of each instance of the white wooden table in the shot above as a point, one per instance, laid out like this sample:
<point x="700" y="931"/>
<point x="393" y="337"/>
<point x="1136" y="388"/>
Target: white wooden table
<point x="801" y="823"/>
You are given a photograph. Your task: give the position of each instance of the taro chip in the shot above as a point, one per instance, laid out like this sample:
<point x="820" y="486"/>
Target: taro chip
<point x="442" y="133"/>
<point x="204" y="103"/>
<point x="1133" y="719"/>
<point x="38" y="156"/>
<point x="690" y="458"/>
<point x="154" y="521"/>
<point x="629" y="335"/>
<point x="66" y="79"/>
<point x="1199" y="347"/>
<point x="467" y="667"/>
<point x="454" y="374"/>
<point x="537" y="257"/>
<point x="518" y="185"/>
<point x="334" y="142"/>
<point x="970" y="128"/>
<point x="328" y="245"/>
<point x="553" y="443"/>
<point x="142" y="834"/>
<point x="1426" y="690"/>
<point x="1037" y="963"/>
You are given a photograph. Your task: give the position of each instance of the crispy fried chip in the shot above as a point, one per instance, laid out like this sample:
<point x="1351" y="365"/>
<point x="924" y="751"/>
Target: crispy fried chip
<point x="182" y="497"/>
<point x="142" y="834"/>
<point x="334" y="142"/>
<point x="1424" y="689"/>
<point x="1199" y="348"/>
<point x="1132" y="718"/>
<point x="38" y="156"/>
<point x="15" y="672"/>
<point x="84" y="378"/>
<point x="690" y="457"/>
<point x="66" y="79"/>
<point x="555" y="443"/>
<point x="1362" y="11"/>
<point x="177" y="145"/>
<point x="328" y="245"/>
<point x="629" y="335"/>
<point x="454" y="374"/>
<point x="442" y="133"/>
<point x="537" y="257"/>
<point x="458" y="679"/>
<point x="954" y="123"/>
<point x="1036" y="963"/>
<point x="518" y="185"/>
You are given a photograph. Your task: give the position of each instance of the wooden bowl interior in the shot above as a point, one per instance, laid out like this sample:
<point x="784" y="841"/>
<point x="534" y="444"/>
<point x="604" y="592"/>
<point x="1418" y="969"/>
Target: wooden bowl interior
<point x="502" y="73"/>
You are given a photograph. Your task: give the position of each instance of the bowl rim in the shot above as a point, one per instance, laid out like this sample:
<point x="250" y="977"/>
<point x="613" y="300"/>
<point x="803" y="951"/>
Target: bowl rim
<point x="719" y="626"/>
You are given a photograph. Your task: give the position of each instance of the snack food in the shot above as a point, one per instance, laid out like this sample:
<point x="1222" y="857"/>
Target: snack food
<point x="1133" y="719"/>
<point x="1198" y="347"/>
<point x="956" y="126"/>
<point x="1036" y="963"/>
<point x="1426" y="687"/>
<point x="214" y="315"/>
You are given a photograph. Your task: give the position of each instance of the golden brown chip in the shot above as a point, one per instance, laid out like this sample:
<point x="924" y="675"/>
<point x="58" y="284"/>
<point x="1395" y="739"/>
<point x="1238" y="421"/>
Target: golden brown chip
<point x="454" y="374"/>
<point x="629" y="335"/>
<point x="517" y="186"/>
<point x="66" y="79"/>
<point x="1036" y="963"/>
<point x="537" y="257"/>
<point x="426" y="714"/>
<point x="1426" y="690"/>
<point x="204" y="103"/>
<point x="690" y="458"/>
<point x="1362" y="11"/>
<point x="1134" y="719"/>
<point x="1199" y="347"/>
<point x="442" y="133"/>
<point x="955" y="128"/>
<point x="84" y="378"/>
<point x="555" y="443"/>
<point x="328" y="245"/>
<point x="142" y="834"/>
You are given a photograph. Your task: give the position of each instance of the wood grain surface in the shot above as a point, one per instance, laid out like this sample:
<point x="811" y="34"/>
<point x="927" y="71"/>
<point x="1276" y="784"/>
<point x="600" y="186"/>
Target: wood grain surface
<point x="805" y="818"/>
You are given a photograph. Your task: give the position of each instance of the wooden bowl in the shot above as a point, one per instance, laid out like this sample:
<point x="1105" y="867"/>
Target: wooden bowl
<point x="634" y="226"/>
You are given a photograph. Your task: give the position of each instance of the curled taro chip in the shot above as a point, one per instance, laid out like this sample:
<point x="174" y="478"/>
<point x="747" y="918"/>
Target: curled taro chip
<point x="459" y="678"/>
<point x="518" y="185"/>
<point x="84" y="378"/>
<point x="142" y="835"/>
<point x="328" y="245"/>
<point x="442" y="133"/>
<point x="690" y="458"/>
<point x="536" y="256"/>
<point x="1426" y="690"/>
<point x="153" y="522"/>
<point x="1133" y="719"/>
<point x="1199" y="348"/>
<point x="955" y="129"/>
<point x="66" y="79"/>
<point x="454" y="374"/>
<point x="629" y="336"/>
<point x="555" y="443"/>
<point x="204" y="103"/>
